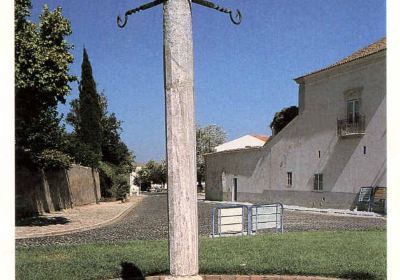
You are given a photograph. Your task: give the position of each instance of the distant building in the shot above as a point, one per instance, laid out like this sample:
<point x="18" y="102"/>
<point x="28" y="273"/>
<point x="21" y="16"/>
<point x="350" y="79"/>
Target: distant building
<point x="247" y="141"/>
<point x="335" y="146"/>
<point x="134" y="188"/>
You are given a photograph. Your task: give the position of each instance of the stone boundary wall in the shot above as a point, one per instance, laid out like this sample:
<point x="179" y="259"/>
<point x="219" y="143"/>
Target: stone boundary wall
<point x="84" y="184"/>
<point x="41" y="191"/>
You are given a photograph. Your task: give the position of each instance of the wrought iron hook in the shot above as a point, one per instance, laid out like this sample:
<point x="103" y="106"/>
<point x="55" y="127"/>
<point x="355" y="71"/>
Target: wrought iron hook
<point x="238" y="17"/>
<point x="138" y="9"/>
<point x="120" y="23"/>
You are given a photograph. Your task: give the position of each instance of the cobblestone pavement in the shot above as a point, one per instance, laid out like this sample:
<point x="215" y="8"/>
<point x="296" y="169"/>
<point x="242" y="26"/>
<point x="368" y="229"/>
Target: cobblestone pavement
<point x="148" y="221"/>
<point x="73" y="220"/>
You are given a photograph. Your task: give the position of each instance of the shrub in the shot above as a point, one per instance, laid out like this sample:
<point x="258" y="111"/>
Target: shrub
<point x="53" y="159"/>
<point x="112" y="183"/>
<point x="121" y="185"/>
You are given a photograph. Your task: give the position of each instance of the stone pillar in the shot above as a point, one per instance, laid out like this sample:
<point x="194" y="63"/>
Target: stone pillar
<point x="181" y="140"/>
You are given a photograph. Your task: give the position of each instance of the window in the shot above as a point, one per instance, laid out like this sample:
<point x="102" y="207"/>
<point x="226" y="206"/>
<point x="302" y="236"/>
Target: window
<point x="353" y="111"/>
<point x="289" y="179"/>
<point x="318" y="182"/>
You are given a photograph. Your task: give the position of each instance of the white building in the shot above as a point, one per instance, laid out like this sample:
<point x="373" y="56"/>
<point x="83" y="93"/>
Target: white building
<point x="335" y="145"/>
<point x="134" y="189"/>
<point x="246" y="141"/>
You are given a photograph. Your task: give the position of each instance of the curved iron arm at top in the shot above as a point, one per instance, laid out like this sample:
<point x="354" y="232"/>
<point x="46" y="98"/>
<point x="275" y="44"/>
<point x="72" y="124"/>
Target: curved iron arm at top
<point x="236" y="19"/>
<point x="121" y="23"/>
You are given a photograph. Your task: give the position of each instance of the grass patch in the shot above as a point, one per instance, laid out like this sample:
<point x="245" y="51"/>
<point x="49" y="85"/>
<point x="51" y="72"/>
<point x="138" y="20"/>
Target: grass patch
<point x="347" y="254"/>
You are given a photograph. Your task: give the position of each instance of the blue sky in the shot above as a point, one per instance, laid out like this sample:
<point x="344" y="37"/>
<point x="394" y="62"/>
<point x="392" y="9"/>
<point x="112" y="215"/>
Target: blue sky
<point x="243" y="74"/>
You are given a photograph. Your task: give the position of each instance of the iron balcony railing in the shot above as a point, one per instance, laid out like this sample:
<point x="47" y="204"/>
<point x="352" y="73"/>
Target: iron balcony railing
<point x="347" y="127"/>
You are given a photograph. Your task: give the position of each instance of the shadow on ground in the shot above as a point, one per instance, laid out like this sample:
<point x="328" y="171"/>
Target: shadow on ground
<point x="41" y="221"/>
<point x="353" y="275"/>
<point x="129" y="271"/>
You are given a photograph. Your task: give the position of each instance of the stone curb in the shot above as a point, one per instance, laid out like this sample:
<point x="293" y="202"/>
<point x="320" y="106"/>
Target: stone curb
<point x="115" y="219"/>
<point x="317" y="211"/>
<point x="237" y="277"/>
<point x="337" y="214"/>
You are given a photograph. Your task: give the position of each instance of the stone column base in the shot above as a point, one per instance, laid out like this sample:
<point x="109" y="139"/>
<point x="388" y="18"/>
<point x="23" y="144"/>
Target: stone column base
<point x="192" y="277"/>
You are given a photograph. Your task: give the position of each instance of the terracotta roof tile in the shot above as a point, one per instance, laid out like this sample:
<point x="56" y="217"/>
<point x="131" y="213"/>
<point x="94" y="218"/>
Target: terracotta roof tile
<point x="235" y="150"/>
<point x="261" y="137"/>
<point x="375" y="47"/>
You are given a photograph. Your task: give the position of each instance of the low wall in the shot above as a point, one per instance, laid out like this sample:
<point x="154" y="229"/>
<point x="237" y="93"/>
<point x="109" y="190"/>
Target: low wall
<point x="313" y="199"/>
<point x="84" y="184"/>
<point x="47" y="191"/>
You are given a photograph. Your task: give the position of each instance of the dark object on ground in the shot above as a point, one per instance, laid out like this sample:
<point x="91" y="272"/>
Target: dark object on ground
<point x="358" y="275"/>
<point x="131" y="272"/>
<point x="41" y="221"/>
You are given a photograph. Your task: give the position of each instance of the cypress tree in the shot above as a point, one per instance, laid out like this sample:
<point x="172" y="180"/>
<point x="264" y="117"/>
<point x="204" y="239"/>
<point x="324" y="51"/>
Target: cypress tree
<point x="89" y="130"/>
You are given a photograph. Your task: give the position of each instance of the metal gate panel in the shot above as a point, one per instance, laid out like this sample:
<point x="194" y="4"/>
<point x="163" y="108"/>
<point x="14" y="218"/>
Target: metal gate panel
<point x="266" y="216"/>
<point x="230" y="220"/>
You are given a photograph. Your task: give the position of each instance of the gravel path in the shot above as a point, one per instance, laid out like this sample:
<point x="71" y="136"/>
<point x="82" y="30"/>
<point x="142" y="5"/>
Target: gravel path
<point x="148" y="221"/>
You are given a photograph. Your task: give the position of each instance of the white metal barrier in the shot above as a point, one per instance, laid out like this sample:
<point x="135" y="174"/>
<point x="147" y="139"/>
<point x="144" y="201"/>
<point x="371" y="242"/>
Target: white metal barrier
<point x="246" y="219"/>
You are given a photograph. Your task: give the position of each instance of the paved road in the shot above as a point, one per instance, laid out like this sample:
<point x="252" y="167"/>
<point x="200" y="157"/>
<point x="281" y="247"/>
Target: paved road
<point x="148" y="221"/>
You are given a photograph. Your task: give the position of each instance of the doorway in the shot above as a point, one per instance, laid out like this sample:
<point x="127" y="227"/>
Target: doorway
<point x="234" y="189"/>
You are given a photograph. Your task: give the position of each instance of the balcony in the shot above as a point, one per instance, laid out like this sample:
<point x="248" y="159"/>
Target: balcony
<point x="351" y="127"/>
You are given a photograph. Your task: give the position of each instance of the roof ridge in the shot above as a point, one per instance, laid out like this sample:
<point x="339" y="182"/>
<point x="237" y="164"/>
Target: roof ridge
<point x="372" y="48"/>
<point x="368" y="50"/>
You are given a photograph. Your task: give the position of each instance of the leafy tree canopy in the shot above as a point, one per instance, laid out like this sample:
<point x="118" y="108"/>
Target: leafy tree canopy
<point x="42" y="59"/>
<point x="42" y="55"/>
<point x="282" y="118"/>
<point x="114" y="150"/>
<point x="207" y="138"/>
<point x="152" y="172"/>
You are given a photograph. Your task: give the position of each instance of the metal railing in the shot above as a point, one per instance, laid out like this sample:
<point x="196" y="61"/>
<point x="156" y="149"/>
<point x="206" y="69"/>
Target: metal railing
<point x="347" y="127"/>
<point x="246" y="219"/>
<point x="229" y="219"/>
<point x="372" y="199"/>
<point x="266" y="216"/>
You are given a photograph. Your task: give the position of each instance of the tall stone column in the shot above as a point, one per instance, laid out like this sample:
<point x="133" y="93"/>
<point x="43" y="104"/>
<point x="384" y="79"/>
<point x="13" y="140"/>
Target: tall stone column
<point x="181" y="139"/>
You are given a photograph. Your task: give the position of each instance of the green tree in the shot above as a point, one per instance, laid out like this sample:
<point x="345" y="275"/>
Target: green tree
<point x="113" y="149"/>
<point x="89" y="130"/>
<point x="163" y="172"/>
<point x="42" y="55"/>
<point x="207" y="138"/>
<point x="282" y="118"/>
<point x="42" y="59"/>
<point x="152" y="172"/>
<point x="115" y="160"/>
<point x="143" y="178"/>
<point x="113" y="182"/>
